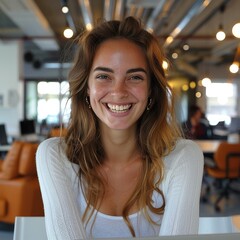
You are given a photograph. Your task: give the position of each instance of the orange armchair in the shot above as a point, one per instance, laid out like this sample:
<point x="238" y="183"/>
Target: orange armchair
<point x="226" y="169"/>
<point x="19" y="188"/>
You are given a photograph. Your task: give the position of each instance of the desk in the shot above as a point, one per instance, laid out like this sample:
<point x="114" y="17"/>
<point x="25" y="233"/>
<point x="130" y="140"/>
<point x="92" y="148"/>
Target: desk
<point x="5" y="148"/>
<point x="208" y="146"/>
<point x="214" y="228"/>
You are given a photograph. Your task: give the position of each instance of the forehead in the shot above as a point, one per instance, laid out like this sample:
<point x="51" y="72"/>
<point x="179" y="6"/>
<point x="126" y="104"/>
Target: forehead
<point x="120" y="49"/>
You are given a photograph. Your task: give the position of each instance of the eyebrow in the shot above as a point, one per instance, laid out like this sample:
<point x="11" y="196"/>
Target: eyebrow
<point x="132" y="70"/>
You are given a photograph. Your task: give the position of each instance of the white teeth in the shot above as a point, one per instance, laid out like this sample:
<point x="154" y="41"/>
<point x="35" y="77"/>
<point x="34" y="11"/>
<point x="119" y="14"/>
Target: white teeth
<point x="118" y="108"/>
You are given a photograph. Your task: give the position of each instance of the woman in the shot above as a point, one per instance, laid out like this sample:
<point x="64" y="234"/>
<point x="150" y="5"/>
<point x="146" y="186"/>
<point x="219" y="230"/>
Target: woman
<point x="122" y="170"/>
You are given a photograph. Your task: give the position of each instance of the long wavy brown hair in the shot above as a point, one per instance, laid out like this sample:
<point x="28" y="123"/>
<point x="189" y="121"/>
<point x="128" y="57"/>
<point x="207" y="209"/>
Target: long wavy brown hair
<point x="157" y="129"/>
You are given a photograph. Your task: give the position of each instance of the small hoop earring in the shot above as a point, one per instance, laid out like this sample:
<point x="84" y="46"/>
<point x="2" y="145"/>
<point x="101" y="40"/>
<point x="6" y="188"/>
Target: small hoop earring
<point x="87" y="101"/>
<point x="149" y="104"/>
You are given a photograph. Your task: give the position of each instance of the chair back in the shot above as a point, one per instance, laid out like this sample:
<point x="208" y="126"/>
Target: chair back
<point x="10" y="164"/>
<point x="27" y="163"/>
<point x="227" y="157"/>
<point x="58" y="132"/>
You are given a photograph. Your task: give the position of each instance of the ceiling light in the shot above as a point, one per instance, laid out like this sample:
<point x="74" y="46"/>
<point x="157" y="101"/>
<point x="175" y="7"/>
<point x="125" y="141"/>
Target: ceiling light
<point x="185" y="87"/>
<point x="174" y="55"/>
<point x="169" y="40"/>
<point x="192" y="84"/>
<point x="68" y="33"/>
<point x="220" y="36"/>
<point x="89" y="26"/>
<point x="236" y="30"/>
<point x="206" y="81"/>
<point x="234" y="67"/>
<point x="198" y="94"/>
<point x="165" y="65"/>
<point x="65" y="9"/>
<point x="186" y="47"/>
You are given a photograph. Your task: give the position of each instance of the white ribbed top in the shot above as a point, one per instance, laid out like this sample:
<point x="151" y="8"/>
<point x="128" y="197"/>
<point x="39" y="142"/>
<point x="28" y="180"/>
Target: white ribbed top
<point x="64" y="202"/>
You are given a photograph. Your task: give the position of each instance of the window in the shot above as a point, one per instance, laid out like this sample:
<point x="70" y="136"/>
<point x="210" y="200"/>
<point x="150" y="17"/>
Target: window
<point x="48" y="101"/>
<point x="221" y="102"/>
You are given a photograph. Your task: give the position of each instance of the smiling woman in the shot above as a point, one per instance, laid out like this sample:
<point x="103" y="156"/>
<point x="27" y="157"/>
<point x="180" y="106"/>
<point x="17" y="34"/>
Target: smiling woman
<point x="123" y="169"/>
<point x="118" y="85"/>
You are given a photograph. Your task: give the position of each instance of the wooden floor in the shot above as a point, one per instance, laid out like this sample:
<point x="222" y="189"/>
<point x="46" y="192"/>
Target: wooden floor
<point x="229" y="207"/>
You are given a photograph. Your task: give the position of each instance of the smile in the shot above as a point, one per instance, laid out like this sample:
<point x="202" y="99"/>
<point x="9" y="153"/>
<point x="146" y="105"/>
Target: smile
<point x="119" y="108"/>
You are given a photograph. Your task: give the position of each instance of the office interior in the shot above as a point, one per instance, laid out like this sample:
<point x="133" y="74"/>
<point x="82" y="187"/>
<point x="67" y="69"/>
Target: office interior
<point x="35" y="58"/>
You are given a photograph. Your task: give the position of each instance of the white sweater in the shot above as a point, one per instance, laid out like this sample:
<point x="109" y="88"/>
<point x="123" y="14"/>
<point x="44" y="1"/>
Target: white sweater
<point x="64" y="203"/>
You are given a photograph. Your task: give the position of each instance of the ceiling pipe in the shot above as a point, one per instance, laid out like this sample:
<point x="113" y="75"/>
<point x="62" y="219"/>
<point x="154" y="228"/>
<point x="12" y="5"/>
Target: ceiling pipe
<point x="70" y="22"/>
<point x="119" y="11"/>
<point x="197" y="8"/>
<point x="202" y="23"/>
<point x="87" y="13"/>
<point x="131" y="11"/>
<point x="169" y="7"/>
<point x="109" y="6"/>
<point x="139" y="12"/>
<point x="33" y="16"/>
<point x="150" y="25"/>
<point x="225" y="47"/>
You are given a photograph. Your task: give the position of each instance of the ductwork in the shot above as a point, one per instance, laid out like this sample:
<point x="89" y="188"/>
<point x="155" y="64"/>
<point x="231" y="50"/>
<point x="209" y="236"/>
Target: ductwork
<point x="109" y="6"/>
<point x="197" y="7"/>
<point x="27" y="16"/>
<point x="150" y="25"/>
<point x="87" y="13"/>
<point x="119" y="11"/>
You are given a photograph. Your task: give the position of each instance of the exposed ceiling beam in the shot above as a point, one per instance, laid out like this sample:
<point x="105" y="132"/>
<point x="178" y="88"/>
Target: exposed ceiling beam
<point x="87" y="13"/>
<point x="150" y="25"/>
<point x="109" y="6"/>
<point x="27" y="16"/>
<point x="119" y="12"/>
<point x="197" y="7"/>
<point x="201" y="23"/>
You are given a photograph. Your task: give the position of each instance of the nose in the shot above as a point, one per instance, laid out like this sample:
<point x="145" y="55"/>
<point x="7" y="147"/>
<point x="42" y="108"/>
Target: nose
<point x="119" y="90"/>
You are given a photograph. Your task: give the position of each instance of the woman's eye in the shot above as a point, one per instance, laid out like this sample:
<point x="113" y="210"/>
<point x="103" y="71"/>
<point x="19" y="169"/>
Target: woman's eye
<point x="102" y="76"/>
<point x="136" y="78"/>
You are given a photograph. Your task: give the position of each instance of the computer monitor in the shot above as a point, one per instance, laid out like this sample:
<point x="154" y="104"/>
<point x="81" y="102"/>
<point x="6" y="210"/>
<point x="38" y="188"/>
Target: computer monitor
<point x="27" y="126"/>
<point x="3" y="135"/>
<point x="234" y="126"/>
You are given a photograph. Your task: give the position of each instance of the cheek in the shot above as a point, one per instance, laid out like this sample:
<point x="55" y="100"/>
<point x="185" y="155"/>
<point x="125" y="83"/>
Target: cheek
<point x="96" y="92"/>
<point x="142" y="93"/>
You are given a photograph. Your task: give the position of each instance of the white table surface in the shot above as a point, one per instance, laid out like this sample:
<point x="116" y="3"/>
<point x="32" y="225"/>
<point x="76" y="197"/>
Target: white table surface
<point x="211" y="228"/>
<point x="208" y="146"/>
<point x="5" y="148"/>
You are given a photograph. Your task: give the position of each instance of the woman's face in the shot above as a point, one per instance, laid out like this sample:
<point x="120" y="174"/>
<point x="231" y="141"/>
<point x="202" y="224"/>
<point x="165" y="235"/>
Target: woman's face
<point x="118" y="84"/>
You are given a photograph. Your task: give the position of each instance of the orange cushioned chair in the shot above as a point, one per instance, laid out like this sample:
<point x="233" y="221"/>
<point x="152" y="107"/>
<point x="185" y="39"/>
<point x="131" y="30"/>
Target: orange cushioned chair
<point x="227" y="168"/>
<point x="58" y="132"/>
<point x="19" y="188"/>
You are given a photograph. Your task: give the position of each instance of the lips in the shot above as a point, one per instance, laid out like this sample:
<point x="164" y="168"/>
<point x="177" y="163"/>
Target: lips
<point x="118" y="108"/>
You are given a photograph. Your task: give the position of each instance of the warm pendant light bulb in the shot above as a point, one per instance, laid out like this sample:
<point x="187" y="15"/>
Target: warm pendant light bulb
<point x="206" y="81"/>
<point x="220" y="36"/>
<point x="68" y="33"/>
<point x="165" y="65"/>
<point x="65" y="9"/>
<point x="236" y="30"/>
<point x="234" y="67"/>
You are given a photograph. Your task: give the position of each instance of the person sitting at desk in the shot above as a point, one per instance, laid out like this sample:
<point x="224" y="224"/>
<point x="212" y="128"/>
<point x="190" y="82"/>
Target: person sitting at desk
<point x="197" y="125"/>
<point x="123" y="169"/>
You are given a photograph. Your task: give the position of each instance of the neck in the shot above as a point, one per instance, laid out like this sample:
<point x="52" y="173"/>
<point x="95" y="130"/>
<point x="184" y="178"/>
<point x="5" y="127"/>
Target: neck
<point x="120" y="146"/>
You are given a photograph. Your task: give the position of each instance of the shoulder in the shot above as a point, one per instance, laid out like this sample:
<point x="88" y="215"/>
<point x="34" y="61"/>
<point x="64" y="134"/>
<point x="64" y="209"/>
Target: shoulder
<point x="50" y="143"/>
<point x="186" y="152"/>
<point x="51" y="150"/>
